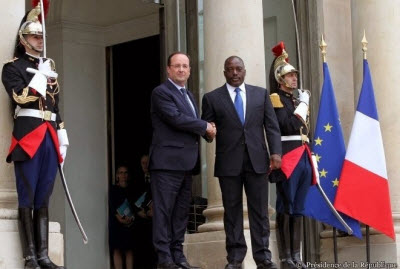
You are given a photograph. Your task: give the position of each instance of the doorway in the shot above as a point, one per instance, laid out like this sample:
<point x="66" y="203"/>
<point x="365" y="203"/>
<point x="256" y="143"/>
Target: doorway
<point x="134" y="71"/>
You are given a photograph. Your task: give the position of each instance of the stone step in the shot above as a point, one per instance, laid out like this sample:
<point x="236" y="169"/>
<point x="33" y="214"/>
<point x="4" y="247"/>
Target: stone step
<point x="10" y="247"/>
<point x="8" y="198"/>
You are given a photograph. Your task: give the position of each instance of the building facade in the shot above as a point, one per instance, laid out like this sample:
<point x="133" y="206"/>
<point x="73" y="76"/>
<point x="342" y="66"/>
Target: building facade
<point x="93" y="42"/>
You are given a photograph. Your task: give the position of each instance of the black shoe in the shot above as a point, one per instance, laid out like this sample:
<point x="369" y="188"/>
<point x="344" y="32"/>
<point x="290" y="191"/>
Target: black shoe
<point x="167" y="265"/>
<point x="186" y="265"/>
<point x="299" y="263"/>
<point x="288" y="264"/>
<point x="267" y="264"/>
<point x="234" y="265"/>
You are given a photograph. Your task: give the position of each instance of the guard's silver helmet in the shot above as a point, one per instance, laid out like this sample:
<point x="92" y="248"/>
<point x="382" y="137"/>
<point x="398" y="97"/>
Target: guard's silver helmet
<point x="281" y="66"/>
<point x="31" y="26"/>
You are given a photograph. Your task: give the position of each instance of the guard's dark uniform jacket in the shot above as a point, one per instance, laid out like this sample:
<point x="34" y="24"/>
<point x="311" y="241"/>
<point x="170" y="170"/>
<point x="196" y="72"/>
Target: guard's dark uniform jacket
<point x="29" y="132"/>
<point x="285" y="104"/>
<point x="290" y="125"/>
<point x="296" y="159"/>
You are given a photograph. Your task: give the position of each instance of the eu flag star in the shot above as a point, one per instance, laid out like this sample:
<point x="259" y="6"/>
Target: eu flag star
<point x="318" y="141"/>
<point x="328" y="127"/>
<point x="335" y="182"/>
<point x="318" y="157"/>
<point x="323" y="173"/>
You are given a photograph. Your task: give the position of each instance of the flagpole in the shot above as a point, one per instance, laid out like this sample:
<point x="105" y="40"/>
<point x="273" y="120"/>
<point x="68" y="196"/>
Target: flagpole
<point x="319" y="187"/>
<point x="323" y="46"/>
<point x="364" y="43"/>
<point x="335" y="255"/>
<point x="367" y="245"/>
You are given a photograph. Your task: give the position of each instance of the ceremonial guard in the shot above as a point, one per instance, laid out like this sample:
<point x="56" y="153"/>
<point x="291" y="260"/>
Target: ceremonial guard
<point x="39" y="140"/>
<point x="296" y="174"/>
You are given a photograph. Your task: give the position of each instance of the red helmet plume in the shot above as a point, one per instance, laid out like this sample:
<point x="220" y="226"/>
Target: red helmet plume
<point x="278" y="50"/>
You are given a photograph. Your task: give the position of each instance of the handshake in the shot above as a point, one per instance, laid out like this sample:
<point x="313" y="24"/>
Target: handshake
<point x="211" y="131"/>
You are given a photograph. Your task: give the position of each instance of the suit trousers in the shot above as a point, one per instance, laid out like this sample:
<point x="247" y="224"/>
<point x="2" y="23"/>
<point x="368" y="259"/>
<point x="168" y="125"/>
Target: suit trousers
<point x="171" y="191"/>
<point x="256" y="188"/>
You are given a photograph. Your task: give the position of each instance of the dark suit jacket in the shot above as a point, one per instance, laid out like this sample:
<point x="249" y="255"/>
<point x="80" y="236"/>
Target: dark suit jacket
<point x="176" y="132"/>
<point x="232" y="137"/>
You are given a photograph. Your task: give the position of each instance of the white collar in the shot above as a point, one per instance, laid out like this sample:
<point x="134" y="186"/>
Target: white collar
<point x="231" y="89"/>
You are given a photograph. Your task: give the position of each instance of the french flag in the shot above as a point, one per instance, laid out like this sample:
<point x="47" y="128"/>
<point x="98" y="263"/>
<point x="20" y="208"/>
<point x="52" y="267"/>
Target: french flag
<point x="363" y="191"/>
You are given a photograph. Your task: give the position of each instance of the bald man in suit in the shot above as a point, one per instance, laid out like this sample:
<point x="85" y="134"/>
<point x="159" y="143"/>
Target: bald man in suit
<point x="242" y="113"/>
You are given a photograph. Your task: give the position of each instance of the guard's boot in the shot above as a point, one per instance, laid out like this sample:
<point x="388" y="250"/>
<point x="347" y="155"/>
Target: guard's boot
<point x="283" y="241"/>
<point x="41" y="223"/>
<point x="295" y="234"/>
<point x="26" y="234"/>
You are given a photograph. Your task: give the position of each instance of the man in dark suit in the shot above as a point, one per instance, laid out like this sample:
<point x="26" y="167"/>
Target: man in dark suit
<point x="242" y="113"/>
<point x="174" y="157"/>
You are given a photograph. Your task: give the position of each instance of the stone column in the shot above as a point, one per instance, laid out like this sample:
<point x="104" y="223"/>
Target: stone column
<point x="380" y="20"/>
<point x="337" y="34"/>
<point x="11" y="13"/>
<point x="83" y="96"/>
<point x="231" y="27"/>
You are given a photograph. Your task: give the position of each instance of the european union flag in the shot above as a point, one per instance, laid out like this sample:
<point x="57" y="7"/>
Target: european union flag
<point x="329" y="149"/>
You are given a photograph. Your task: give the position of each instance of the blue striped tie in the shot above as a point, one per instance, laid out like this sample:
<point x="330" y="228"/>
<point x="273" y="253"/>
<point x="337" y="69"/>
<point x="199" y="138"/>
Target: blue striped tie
<point x="187" y="99"/>
<point x="239" y="105"/>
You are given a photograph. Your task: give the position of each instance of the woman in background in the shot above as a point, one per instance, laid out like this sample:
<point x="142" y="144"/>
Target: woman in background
<point x="121" y="220"/>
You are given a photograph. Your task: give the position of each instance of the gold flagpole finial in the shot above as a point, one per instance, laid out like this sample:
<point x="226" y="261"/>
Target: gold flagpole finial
<point x="323" y="46"/>
<point x="364" y="43"/>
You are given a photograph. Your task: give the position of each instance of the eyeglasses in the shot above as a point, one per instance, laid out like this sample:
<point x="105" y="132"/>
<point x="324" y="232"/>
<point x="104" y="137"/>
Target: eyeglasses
<point x="178" y="66"/>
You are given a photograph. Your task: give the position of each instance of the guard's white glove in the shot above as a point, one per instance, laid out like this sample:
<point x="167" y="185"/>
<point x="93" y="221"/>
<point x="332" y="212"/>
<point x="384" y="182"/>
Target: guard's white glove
<point x="301" y="111"/>
<point x="304" y="96"/>
<point x="63" y="142"/>
<point x="39" y="80"/>
<point x="45" y="68"/>
<point x="315" y="164"/>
